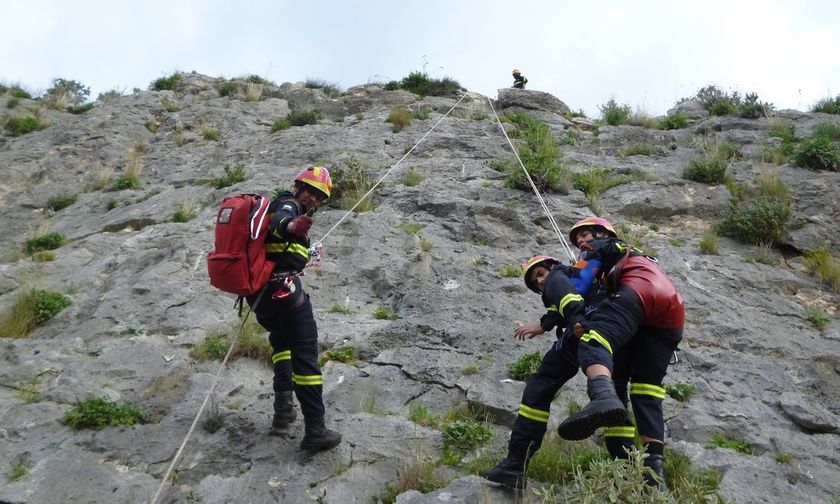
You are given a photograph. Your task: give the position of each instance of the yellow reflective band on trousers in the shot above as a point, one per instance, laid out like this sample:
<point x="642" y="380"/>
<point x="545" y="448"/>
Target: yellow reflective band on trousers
<point x="647" y="389"/>
<point x="314" y="379"/>
<point x="593" y="335"/>
<point x="533" y="414"/>
<point x="625" y="431"/>
<point x="279" y="356"/>
<point x="569" y="298"/>
<point x="294" y="248"/>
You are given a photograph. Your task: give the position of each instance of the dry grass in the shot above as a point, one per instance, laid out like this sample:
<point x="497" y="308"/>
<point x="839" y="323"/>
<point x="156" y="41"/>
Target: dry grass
<point x="253" y="92"/>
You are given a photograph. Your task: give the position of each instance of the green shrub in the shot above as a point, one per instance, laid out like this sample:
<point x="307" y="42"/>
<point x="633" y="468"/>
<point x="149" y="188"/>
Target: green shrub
<point x="412" y="177"/>
<point x="717" y="101"/>
<point x="709" y="243"/>
<point x="183" y="214"/>
<point x="17" y="472"/>
<point x="19" y="92"/>
<point x="525" y="366"/>
<point x="49" y="241"/>
<point x="59" y="202"/>
<point x="557" y="460"/>
<point x="43" y="256"/>
<point x="420" y="414"/>
<point x="672" y="122"/>
<point x="12" y="102"/>
<point x="251" y="344"/>
<point x="783" y="457"/>
<point x="509" y="271"/>
<point x="351" y="181"/>
<point x="344" y="355"/>
<point x="17" y="126"/>
<point x="303" y="117"/>
<point x="100" y="412"/>
<point x="817" y="317"/>
<point x="33" y="308"/>
<point x="820" y="151"/>
<point x="125" y="181"/>
<point x="680" y="391"/>
<point x="825" y="266"/>
<point x="233" y="175"/>
<point x="731" y="443"/>
<point x="280" y="124"/>
<point x="384" y="313"/>
<point x="827" y="105"/>
<point x="712" y="168"/>
<point x="80" y="109"/>
<point x="229" y="89"/>
<point x="399" y="118"/>
<point x="466" y="434"/>
<point x="211" y="134"/>
<point x="597" y="180"/>
<point x="422" y="113"/>
<point x="752" y="108"/>
<point x="331" y="89"/>
<point x="74" y="93"/>
<point x="340" y="308"/>
<point x="539" y="155"/>
<point x="421" y="84"/>
<point x="166" y="83"/>
<point x="426" y="245"/>
<point x="759" y="214"/>
<point x="215" y="419"/>
<point x="211" y="348"/>
<point x="411" y="228"/>
<point x="614" y="114"/>
<point x="638" y="150"/>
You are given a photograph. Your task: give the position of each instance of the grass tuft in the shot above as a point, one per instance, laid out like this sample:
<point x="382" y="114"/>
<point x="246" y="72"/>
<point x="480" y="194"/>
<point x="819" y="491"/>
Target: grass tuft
<point x="233" y="175"/>
<point x="825" y="266"/>
<point x="681" y="391"/>
<point x="731" y="443"/>
<point x="399" y="118"/>
<point x="384" y="313"/>
<point x="525" y="366"/>
<point x="100" y="412"/>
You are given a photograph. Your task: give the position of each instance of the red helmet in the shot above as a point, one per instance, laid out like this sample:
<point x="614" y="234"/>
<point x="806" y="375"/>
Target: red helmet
<point x="317" y="177"/>
<point x="538" y="260"/>
<point x="591" y="222"/>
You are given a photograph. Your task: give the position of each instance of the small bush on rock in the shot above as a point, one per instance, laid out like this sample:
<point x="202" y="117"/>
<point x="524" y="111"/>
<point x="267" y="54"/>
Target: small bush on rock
<point x="614" y="114"/>
<point x="827" y="105"/>
<point x="523" y="367"/>
<point x="100" y="412"/>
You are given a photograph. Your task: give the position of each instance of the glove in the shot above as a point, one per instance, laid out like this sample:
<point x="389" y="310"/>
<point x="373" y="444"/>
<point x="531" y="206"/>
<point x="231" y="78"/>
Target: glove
<point x="300" y="225"/>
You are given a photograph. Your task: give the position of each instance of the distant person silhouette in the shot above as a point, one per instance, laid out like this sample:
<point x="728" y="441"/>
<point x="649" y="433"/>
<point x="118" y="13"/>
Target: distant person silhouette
<point x="519" y="80"/>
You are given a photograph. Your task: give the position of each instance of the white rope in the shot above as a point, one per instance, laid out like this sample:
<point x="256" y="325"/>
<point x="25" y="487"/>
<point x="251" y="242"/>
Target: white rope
<point x="388" y="172"/>
<point x="200" y="411"/>
<point x="566" y="248"/>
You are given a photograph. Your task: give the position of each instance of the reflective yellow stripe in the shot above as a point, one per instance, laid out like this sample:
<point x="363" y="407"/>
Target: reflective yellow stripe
<point x="568" y="298"/>
<point x="627" y="431"/>
<point x="294" y="248"/>
<point x="307" y="379"/>
<point x="554" y="309"/>
<point x="533" y="414"/>
<point x="284" y="355"/>
<point x="593" y="335"/>
<point x="647" y="389"/>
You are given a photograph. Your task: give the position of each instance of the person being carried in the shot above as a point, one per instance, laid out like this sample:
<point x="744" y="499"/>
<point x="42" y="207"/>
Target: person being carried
<point x="544" y="275"/>
<point x="643" y="317"/>
<point x="519" y="80"/>
<point x="284" y="310"/>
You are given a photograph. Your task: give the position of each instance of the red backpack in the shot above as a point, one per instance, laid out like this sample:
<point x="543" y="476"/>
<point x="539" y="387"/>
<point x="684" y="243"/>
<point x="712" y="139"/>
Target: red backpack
<point x="238" y="265"/>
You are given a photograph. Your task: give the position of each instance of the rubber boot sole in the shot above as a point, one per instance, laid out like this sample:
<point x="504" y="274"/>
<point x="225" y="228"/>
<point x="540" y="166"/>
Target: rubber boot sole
<point x="581" y="426"/>
<point x="508" y="479"/>
<point x="309" y="445"/>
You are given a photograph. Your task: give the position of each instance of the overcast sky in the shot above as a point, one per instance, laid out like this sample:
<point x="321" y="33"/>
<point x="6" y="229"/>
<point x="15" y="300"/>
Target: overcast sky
<point x="647" y="54"/>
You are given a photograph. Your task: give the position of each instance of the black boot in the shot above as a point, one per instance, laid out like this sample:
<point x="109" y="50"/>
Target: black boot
<point x="317" y="437"/>
<point x="656" y="464"/>
<point x="284" y="410"/>
<point x="511" y="471"/>
<point x="604" y="410"/>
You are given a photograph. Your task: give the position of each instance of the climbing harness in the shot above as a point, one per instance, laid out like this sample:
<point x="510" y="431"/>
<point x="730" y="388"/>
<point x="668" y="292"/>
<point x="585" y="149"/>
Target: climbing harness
<point x="566" y="248"/>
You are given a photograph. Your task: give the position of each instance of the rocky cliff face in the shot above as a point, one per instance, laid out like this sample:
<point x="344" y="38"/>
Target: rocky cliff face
<point x="141" y="300"/>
